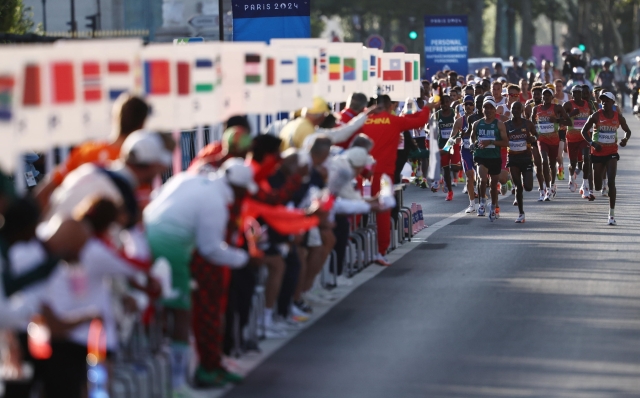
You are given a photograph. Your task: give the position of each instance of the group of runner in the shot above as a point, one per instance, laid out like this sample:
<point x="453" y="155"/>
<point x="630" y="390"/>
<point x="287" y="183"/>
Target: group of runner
<point x="500" y="140"/>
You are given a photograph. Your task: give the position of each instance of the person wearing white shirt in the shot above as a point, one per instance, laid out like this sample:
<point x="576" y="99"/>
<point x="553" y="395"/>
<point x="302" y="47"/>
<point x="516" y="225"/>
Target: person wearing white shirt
<point x="190" y="213"/>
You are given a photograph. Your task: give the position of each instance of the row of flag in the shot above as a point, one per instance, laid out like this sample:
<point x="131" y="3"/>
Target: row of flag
<point x="63" y="93"/>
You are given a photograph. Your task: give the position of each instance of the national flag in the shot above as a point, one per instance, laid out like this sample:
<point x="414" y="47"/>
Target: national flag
<point x="416" y="70"/>
<point x="394" y="72"/>
<point x="271" y="72"/>
<point x="315" y="70"/>
<point x="287" y="71"/>
<point x="157" y="77"/>
<point x="252" y="68"/>
<point x="408" y="75"/>
<point x="304" y="70"/>
<point x="32" y="86"/>
<point x="62" y="84"/>
<point x="373" y="66"/>
<point x="184" y="83"/>
<point x="365" y="70"/>
<point x="118" y="73"/>
<point x="323" y="59"/>
<point x="7" y="84"/>
<point x="349" y="69"/>
<point x="91" y="83"/>
<point x="334" y="67"/>
<point x="203" y="76"/>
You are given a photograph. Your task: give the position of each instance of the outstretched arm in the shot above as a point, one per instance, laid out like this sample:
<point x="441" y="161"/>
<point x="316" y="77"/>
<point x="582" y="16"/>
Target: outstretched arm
<point x="627" y="130"/>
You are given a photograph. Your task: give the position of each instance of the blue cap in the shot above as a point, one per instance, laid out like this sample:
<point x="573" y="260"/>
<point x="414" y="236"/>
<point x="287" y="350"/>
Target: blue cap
<point x="469" y="98"/>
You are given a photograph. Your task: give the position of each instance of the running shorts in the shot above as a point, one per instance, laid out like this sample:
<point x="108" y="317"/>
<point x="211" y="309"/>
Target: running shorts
<point x="523" y="164"/>
<point x="467" y="159"/>
<point x="178" y="253"/>
<point x="576" y="148"/>
<point x="605" y="158"/>
<point x="447" y="158"/>
<point x="551" y="150"/>
<point x="563" y="135"/>
<point x="494" y="165"/>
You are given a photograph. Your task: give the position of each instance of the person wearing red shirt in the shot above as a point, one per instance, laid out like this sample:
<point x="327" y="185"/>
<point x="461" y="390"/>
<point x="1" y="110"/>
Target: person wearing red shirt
<point x="356" y="105"/>
<point x="385" y="129"/>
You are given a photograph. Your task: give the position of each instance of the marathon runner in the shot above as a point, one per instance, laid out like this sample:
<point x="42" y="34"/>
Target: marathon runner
<point x="450" y="160"/>
<point x="525" y="94"/>
<point x="535" y="100"/>
<point x="546" y="117"/>
<point x="579" y="111"/>
<point x="560" y="98"/>
<point x="522" y="135"/>
<point x="461" y="130"/>
<point x="487" y="136"/>
<point x="604" y="145"/>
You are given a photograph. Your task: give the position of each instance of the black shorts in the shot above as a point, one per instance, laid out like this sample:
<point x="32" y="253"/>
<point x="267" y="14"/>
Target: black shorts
<point x="494" y="165"/>
<point x="605" y="158"/>
<point x="563" y="135"/>
<point x="523" y="164"/>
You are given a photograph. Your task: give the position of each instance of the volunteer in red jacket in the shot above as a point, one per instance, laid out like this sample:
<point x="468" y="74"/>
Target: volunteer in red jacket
<point x="385" y="129"/>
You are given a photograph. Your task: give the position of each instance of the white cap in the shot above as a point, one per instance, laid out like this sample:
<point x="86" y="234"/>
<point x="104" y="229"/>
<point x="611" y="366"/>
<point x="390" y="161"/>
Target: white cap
<point x="489" y="100"/>
<point x="145" y="147"/>
<point x="576" y="51"/>
<point x="239" y="174"/>
<point x="501" y="79"/>
<point x="357" y="156"/>
<point x="578" y="70"/>
<point x="609" y="95"/>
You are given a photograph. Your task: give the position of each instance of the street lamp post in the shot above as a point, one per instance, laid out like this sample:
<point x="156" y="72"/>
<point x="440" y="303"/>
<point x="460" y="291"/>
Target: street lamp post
<point x="44" y="14"/>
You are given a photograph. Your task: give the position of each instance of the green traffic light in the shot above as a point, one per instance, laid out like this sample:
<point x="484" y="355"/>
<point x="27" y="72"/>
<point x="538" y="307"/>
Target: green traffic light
<point x="413" y="35"/>
<point x="582" y="47"/>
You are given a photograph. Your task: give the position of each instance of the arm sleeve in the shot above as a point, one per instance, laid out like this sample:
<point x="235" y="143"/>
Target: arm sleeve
<point x="100" y="259"/>
<point x="410" y="122"/>
<point x="344" y="132"/>
<point x="210" y="233"/>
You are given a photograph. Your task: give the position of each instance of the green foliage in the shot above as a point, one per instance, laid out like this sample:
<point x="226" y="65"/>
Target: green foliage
<point x="15" y="17"/>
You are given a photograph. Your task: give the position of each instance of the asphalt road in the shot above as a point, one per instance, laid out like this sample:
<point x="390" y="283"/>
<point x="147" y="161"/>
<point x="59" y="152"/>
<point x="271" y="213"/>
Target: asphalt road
<point x="550" y="308"/>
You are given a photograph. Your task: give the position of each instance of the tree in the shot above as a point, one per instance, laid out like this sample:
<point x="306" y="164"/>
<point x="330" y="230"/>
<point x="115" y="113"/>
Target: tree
<point x="15" y="17"/>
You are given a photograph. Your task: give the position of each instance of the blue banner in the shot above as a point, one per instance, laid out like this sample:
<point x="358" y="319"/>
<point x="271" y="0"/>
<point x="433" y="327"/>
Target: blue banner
<point x="445" y="43"/>
<point x="256" y="20"/>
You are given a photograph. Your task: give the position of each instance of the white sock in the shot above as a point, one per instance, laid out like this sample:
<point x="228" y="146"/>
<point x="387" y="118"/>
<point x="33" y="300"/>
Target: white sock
<point x="571" y="178"/>
<point x="179" y="364"/>
<point x="268" y="316"/>
<point x="472" y="203"/>
<point x="578" y="172"/>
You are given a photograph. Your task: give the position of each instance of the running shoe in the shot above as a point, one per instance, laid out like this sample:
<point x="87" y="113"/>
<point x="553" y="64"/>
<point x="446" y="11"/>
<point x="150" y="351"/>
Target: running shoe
<point x="541" y="192"/>
<point x="591" y="196"/>
<point x="423" y="185"/>
<point x="470" y="209"/>
<point x="561" y="174"/>
<point x="465" y="190"/>
<point x="449" y="196"/>
<point x="520" y="219"/>
<point x="381" y="260"/>
<point x="302" y="306"/>
<point x="554" y="191"/>
<point x="605" y="190"/>
<point x="492" y="215"/>
<point x="547" y="196"/>
<point x="612" y="221"/>
<point x="515" y="202"/>
<point x="503" y="189"/>
<point x="583" y="190"/>
<point x="497" y="212"/>
<point x="481" y="211"/>
<point x="510" y="185"/>
<point x="342" y="280"/>
<point x="572" y="186"/>
<point x="435" y="187"/>
<point x="454" y="182"/>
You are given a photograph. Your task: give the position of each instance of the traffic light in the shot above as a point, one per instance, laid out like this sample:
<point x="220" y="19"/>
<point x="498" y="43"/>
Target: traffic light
<point x="413" y="35"/>
<point x="92" y="22"/>
<point x="582" y="47"/>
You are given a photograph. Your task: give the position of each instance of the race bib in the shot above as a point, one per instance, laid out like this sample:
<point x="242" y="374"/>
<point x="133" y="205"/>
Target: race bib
<point x="546" y="128"/>
<point x="466" y="143"/>
<point x="445" y="133"/>
<point x="31" y="180"/>
<point x="578" y="124"/>
<point x="487" y="139"/>
<point x="518" y="146"/>
<point x="607" y="138"/>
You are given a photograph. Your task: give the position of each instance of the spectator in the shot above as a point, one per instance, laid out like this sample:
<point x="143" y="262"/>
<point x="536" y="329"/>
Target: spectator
<point x="294" y="133"/>
<point x="620" y="77"/>
<point x="546" y="76"/>
<point x="605" y="78"/>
